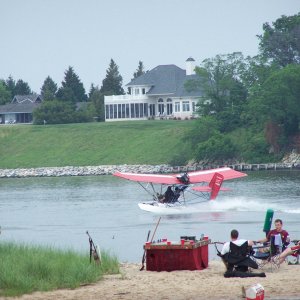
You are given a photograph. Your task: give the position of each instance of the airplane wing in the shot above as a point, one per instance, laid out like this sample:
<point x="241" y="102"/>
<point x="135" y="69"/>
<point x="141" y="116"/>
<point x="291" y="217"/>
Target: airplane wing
<point x="151" y="178"/>
<point x="207" y="175"/>
<point x="193" y="177"/>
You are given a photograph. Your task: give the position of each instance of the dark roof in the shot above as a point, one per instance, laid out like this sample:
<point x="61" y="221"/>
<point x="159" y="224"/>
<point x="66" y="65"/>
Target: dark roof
<point x="164" y="80"/>
<point x="190" y="59"/>
<point x="18" y="107"/>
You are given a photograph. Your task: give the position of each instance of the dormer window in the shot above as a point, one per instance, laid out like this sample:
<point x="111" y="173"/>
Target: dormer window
<point x="136" y="91"/>
<point x="143" y="91"/>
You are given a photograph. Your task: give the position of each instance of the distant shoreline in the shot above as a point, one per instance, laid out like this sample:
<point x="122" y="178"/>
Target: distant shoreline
<point x="111" y="169"/>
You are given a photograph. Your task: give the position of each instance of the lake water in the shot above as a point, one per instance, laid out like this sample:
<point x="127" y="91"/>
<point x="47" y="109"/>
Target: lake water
<point x="58" y="211"/>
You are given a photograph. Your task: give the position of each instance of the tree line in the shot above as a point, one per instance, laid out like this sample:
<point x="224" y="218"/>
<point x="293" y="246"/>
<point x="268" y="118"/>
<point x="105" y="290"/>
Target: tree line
<point x="250" y="109"/>
<point x="69" y="103"/>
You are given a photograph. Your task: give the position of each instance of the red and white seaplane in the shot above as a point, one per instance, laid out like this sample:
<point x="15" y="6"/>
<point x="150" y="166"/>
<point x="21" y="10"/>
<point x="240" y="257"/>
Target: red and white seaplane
<point x="172" y="187"/>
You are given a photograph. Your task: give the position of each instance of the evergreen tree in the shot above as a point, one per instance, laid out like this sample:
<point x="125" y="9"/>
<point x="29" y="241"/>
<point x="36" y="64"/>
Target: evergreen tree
<point x="72" y="88"/>
<point x="112" y="83"/>
<point x="139" y="71"/>
<point x="5" y="94"/>
<point x="49" y="89"/>
<point x="22" y="88"/>
<point x="92" y="90"/>
<point x="11" y="85"/>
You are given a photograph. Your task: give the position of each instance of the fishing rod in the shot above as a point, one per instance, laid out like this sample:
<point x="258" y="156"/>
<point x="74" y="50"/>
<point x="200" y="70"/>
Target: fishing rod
<point x="94" y="251"/>
<point x="143" y="261"/>
<point x="144" y="255"/>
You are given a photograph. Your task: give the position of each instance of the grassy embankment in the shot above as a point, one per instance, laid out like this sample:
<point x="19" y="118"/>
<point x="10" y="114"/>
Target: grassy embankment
<point x="25" y="269"/>
<point x="131" y="142"/>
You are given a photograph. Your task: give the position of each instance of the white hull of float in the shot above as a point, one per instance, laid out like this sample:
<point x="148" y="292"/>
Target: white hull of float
<point x="161" y="208"/>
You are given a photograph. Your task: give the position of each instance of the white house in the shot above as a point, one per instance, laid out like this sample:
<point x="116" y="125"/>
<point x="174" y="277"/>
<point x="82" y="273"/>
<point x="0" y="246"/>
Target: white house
<point x="159" y="93"/>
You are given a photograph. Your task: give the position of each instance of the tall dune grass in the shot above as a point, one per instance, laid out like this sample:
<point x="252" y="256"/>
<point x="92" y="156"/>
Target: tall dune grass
<point x="25" y="269"/>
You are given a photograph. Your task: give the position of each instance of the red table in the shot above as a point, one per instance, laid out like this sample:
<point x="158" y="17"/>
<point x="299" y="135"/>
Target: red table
<point x="163" y="257"/>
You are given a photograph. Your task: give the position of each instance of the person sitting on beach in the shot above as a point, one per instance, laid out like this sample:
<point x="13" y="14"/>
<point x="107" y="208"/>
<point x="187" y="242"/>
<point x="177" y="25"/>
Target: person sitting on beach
<point x="234" y="239"/>
<point x="236" y="256"/>
<point x="289" y="251"/>
<point x="279" y="232"/>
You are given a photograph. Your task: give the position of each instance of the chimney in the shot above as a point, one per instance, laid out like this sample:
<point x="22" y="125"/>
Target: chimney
<point x="190" y="66"/>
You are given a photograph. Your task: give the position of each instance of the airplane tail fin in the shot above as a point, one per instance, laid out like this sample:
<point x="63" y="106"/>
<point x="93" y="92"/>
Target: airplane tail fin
<point x="215" y="185"/>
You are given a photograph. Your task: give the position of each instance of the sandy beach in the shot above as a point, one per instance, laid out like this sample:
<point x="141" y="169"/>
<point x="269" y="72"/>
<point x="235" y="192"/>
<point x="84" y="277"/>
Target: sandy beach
<point x="210" y="283"/>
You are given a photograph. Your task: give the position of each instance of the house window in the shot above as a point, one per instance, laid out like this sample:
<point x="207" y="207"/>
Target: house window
<point x="146" y="109"/>
<point x="123" y="111"/>
<point x="119" y="111"/>
<point x="115" y="111"/>
<point x="141" y="110"/>
<point x="169" y="107"/>
<point x="177" y="106"/>
<point x="194" y="106"/>
<point x="132" y="114"/>
<point x="186" y="106"/>
<point x="137" y="110"/>
<point x="129" y="90"/>
<point x="143" y="91"/>
<point x="127" y="111"/>
<point x="152" y="109"/>
<point x="111" y="111"/>
<point x="136" y="91"/>
<point x="161" y="106"/>
<point x="107" y="111"/>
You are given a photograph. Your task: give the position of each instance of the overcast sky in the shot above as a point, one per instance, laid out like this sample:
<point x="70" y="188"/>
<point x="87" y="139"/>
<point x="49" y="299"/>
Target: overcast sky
<point x="44" y="37"/>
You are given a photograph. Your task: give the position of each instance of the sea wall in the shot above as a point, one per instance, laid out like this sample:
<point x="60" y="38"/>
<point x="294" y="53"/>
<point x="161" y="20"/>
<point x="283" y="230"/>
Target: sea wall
<point x="111" y="169"/>
<point x="83" y="171"/>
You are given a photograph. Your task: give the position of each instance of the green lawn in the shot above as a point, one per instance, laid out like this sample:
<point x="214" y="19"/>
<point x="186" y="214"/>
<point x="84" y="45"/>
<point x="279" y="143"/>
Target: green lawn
<point x="127" y="142"/>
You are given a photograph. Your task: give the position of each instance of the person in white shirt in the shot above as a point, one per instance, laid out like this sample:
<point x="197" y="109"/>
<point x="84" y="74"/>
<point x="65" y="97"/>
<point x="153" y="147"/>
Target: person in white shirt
<point x="234" y="239"/>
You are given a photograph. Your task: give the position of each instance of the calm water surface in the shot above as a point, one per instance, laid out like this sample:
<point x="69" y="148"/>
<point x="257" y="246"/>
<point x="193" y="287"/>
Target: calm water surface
<point x="58" y="211"/>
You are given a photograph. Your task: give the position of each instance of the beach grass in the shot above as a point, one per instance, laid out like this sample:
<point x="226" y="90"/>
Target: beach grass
<point x="106" y="143"/>
<point x="25" y="269"/>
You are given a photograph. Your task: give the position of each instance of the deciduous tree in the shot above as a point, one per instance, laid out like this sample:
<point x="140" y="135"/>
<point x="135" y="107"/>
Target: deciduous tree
<point x="280" y="42"/>
<point x="97" y="105"/>
<point x="279" y="103"/>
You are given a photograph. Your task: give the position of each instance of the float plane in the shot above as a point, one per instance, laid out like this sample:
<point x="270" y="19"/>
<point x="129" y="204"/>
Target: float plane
<point x="168" y="190"/>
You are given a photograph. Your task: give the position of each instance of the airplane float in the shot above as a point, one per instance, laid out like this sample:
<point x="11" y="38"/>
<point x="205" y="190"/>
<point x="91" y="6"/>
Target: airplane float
<point x="207" y="183"/>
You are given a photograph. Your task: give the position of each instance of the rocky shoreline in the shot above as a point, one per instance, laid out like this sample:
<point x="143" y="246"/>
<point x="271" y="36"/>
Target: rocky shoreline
<point x="290" y="161"/>
<point x="84" y="171"/>
<point x="111" y="169"/>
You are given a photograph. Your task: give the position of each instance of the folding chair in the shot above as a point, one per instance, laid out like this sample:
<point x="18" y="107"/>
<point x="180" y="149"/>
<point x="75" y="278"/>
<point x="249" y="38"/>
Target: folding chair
<point x="268" y="253"/>
<point x="293" y="259"/>
<point x="238" y="258"/>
